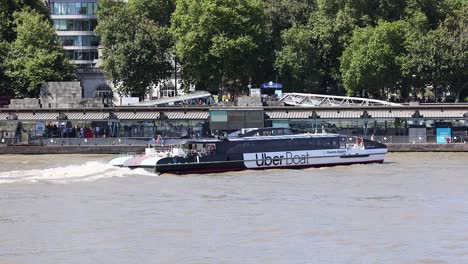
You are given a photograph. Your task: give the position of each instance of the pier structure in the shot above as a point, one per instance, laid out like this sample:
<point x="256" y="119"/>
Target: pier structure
<point x="314" y="100"/>
<point x="390" y="123"/>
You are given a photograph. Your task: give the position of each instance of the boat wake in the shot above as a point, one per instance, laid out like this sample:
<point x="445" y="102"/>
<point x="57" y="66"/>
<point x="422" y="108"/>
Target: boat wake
<point x="87" y="172"/>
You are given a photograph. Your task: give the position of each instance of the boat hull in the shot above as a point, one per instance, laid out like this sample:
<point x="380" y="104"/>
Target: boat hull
<point x="182" y="166"/>
<point x="225" y="168"/>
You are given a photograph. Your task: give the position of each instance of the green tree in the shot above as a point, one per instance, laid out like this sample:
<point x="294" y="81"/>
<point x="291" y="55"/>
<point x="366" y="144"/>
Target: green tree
<point x="452" y="42"/>
<point x="4" y="20"/>
<point x="35" y="56"/>
<point x="435" y="11"/>
<point x="8" y="7"/>
<point x="159" y="11"/>
<point x="333" y="25"/>
<point x="370" y="61"/>
<point x="7" y="33"/>
<point x="5" y="82"/>
<point x="438" y="57"/>
<point x="420" y="59"/>
<point x="280" y="16"/>
<point x="136" y="52"/>
<point x="299" y="60"/>
<point x="218" y="41"/>
<point x="330" y="28"/>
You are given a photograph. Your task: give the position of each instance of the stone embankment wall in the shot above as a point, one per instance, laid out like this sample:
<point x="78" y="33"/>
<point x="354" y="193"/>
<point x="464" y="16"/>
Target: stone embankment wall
<point x="71" y="149"/>
<point x="428" y="147"/>
<point x="58" y="95"/>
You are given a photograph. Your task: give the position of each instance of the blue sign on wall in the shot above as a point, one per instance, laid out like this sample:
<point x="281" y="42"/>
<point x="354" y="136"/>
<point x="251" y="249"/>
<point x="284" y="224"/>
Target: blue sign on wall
<point x="443" y="134"/>
<point x="280" y="123"/>
<point x="218" y="115"/>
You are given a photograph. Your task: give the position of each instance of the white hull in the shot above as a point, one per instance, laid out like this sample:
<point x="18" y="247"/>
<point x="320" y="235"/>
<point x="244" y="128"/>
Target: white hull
<point x="312" y="158"/>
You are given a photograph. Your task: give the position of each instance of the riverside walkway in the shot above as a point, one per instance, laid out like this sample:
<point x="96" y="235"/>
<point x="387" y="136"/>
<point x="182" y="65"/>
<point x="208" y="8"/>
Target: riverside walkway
<point x="391" y="123"/>
<point x="137" y="145"/>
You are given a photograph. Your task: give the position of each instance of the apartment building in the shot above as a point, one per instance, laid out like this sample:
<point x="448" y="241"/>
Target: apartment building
<point x="75" y="21"/>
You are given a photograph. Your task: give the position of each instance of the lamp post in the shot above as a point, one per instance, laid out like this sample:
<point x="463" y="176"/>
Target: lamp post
<point x="175" y="76"/>
<point x="414" y="87"/>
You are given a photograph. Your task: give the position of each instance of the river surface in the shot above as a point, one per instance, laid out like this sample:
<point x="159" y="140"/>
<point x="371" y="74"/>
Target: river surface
<point x="77" y="209"/>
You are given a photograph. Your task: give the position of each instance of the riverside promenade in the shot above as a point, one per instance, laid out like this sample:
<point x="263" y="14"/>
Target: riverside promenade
<point x="114" y="130"/>
<point x="109" y="149"/>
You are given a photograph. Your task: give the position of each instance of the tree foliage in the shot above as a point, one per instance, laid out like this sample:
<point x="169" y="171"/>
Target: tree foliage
<point x="339" y="29"/>
<point x="5" y="82"/>
<point x="218" y="41"/>
<point x="159" y="11"/>
<point x="300" y="59"/>
<point x="319" y="46"/>
<point x="8" y="7"/>
<point x="370" y="61"/>
<point x="7" y="33"/>
<point x="137" y="44"/>
<point x="35" y="56"/>
<point x="280" y="15"/>
<point x="451" y="41"/>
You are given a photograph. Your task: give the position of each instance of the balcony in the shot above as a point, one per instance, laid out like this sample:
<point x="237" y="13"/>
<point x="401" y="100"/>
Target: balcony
<point x="89" y="70"/>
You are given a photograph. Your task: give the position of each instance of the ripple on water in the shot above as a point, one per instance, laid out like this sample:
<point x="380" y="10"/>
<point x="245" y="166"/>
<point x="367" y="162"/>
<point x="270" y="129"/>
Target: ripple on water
<point x="411" y="209"/>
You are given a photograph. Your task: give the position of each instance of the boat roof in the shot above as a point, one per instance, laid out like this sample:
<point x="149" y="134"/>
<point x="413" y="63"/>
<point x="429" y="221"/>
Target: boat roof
<point x="268" y="133"/>
<point x="273" y="137"/>
<point x="183" y="141"/>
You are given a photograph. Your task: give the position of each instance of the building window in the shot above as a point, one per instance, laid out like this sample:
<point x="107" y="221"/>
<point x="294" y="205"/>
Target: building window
<point x="86" y="8"/>
<point x="79" y="40"/>
<point x="104" y="92"/>
<point x="92" y="24"/>
<point x="66" y="41"/>
<point x="82" y="54"/>
<point x="75" y="24"/>
<point x="84" y="25"/>
<point x="90" y="10"/>
<point x="69" y="24"/>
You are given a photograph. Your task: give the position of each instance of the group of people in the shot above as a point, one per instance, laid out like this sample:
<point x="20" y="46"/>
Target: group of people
<point x="74" y="132"/>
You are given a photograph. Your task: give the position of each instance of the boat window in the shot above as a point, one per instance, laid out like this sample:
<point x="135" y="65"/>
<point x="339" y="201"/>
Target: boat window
<point x="296" y="144"/>
<point x="342" y="142"/>
<point x="313" y="143"/>
<point x="322" y="143"/>
<point x="277" y="132"/>
<point x="318" y="143"/>
<point x="369" y="144"/>
<point x="335" y="143"/>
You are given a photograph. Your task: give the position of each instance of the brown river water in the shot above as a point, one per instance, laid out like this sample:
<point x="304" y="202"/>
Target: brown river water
<point x="77" y="209"/>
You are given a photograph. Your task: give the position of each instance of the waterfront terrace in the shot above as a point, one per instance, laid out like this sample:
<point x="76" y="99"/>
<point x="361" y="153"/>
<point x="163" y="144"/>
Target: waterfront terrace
<point x="392" y="122"/>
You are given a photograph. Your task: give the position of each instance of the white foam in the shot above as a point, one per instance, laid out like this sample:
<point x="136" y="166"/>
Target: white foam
<point x="89" y="171"/>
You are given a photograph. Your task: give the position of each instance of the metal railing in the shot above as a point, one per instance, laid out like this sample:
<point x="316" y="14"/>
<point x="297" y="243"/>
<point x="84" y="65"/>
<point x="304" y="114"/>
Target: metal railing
<point x="142" y="141"/>
<point x="90" y="141"/>
<point x="398" y="139"/>
<point x="414" y="139"/>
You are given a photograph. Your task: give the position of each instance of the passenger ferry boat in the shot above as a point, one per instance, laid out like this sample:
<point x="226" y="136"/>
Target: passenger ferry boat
<point x="263" y="148"/>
